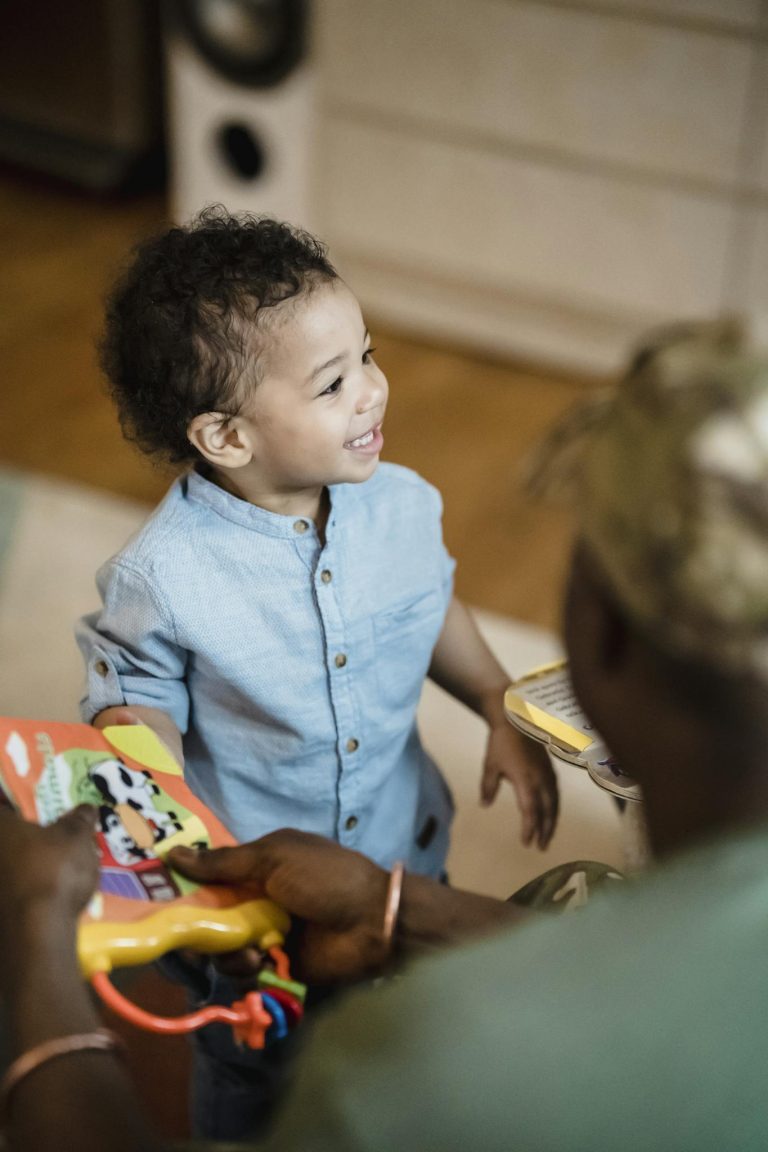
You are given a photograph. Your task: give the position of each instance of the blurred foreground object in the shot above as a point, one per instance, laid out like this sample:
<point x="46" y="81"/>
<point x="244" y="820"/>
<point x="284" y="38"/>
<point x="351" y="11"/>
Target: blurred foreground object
<point x="671" y="473"/>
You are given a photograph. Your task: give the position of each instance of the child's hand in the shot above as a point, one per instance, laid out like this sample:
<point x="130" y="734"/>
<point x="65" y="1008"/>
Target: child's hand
<point x="526" y="765"/>
<point x="115" y="716"/>
<point x="160" y="723"/>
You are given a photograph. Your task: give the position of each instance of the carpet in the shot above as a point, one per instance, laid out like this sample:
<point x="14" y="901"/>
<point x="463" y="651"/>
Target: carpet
<point x="53" y="537"/>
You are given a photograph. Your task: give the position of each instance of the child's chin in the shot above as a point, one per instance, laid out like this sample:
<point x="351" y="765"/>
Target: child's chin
<point x="363" y="470"/>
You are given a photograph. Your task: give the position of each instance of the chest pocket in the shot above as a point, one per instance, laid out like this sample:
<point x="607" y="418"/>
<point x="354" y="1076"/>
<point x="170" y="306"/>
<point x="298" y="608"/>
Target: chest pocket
<point x="405" y="636"/>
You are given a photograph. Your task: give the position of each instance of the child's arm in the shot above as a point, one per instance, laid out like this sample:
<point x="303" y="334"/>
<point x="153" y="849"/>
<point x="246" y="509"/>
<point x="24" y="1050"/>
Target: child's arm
<point x="160" y="723"/>
<point x="135" y="667"/>
<point x="463" y="664"/>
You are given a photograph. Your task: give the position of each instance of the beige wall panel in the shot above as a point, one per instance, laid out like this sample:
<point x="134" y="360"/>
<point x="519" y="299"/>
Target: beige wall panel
<point x="519" y="325"/>
<point x="759" y="162"/>
<point x="738" y="13"/>
<point x="752" y="295"/>
<point x="511" y="225"/>
<point x="647" y="95"/>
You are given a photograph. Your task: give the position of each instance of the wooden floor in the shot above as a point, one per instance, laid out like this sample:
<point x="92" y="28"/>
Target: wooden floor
<point x="463" y="421"/>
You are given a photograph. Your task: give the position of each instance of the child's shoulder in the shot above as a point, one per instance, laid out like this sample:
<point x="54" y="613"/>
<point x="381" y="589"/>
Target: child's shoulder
<point x="391" y="479"/>
<point x="394" y="502"/>
<point x="164" y="536"/>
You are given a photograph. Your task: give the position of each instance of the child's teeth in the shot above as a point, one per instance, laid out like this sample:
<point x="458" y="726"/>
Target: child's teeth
<point x="362" y="440"/>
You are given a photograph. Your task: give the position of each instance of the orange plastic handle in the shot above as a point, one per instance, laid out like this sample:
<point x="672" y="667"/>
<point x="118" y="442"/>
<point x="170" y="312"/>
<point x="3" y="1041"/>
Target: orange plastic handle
<point x="248" y="1017"/>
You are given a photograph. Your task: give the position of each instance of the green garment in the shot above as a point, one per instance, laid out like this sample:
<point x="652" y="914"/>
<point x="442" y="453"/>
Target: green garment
<point x="637" y="1024"/>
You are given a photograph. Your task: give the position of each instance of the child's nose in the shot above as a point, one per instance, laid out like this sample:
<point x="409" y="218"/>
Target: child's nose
<point x="373" y="392"/>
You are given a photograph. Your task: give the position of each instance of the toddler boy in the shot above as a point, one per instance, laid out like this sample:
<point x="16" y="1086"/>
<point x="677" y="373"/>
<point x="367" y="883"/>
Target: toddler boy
<point x="277" y="614"/>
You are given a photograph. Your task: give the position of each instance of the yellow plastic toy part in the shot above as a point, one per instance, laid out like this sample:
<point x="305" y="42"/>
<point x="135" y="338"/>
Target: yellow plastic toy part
<point x="143" y="745"/>
<point x="103" y="945"/>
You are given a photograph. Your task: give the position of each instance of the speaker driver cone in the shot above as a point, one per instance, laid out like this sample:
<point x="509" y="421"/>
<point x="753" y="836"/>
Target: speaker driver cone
<point x="253" y="42"/>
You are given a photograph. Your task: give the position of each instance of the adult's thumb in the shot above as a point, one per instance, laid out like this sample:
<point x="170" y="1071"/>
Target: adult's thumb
<point x="217" y="866"/>
<point x="79" y="820"/>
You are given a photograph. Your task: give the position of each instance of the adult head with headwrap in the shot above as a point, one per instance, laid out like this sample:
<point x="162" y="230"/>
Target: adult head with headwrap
<point x="666" y="613"/>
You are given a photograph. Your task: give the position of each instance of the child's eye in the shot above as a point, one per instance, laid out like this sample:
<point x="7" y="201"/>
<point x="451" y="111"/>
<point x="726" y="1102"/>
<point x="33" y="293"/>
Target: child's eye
<point x="368" y="355"/>
<point x="332" y="388"/>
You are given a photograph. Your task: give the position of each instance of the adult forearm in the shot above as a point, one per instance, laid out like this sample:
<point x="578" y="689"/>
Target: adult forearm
<point x="83" y="1100"/>
<point x="433" y="915"/>
<point x="47" y="996"/>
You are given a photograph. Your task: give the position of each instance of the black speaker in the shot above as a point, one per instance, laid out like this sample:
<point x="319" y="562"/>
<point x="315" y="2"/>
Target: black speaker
<point x="240" y="99"/>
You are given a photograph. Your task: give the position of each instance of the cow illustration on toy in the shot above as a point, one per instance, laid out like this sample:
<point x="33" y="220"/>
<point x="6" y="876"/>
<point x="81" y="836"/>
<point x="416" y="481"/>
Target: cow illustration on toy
<point x="131" y="825"/>
<point x="124" y="788"/>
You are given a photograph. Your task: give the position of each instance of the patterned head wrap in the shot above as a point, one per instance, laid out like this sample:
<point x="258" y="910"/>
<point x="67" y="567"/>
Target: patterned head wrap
<point x="670" y="471"/>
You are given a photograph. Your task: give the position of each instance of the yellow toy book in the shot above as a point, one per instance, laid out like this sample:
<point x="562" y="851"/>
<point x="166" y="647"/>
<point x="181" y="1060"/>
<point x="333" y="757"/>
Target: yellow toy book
<point x="142" y="907"/>
<point x="542" y="704"/>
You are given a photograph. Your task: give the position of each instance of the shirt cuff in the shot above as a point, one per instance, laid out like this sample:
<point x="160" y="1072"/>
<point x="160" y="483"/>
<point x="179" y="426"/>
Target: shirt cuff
<point x="103" y="688"/>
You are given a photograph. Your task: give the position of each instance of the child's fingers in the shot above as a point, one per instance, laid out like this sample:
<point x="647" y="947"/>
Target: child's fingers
<point x="528" y="807"/>
<point x="546" y="826"/>
<point x="527" y="794"/>
<point x="489" y="784"/>
<point x="118" y="715"/>
<point x="537" y="801"/>
<point x="529" y="825"/>
<point x="125" y="716"/>
<point x="549" y="805"/>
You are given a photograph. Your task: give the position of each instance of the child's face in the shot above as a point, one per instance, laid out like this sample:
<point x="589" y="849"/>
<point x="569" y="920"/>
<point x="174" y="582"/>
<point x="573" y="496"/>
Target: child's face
<point x="315" y="417"/>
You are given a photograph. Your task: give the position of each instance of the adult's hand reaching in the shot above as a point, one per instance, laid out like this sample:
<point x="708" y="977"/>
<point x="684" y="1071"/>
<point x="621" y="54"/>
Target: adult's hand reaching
<point x="338" y="895"/>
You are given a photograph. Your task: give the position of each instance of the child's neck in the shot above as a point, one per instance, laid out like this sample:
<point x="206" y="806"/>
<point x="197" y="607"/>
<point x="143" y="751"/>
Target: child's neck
<point x="312" y="504"/>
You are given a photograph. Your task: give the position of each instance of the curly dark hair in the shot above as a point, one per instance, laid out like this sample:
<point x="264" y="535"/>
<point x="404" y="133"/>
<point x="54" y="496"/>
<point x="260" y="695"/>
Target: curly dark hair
<point x="180" y="322"/>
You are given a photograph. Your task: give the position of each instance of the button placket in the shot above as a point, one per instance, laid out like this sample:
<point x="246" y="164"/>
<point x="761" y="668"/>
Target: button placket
<point x="342" y="689"/>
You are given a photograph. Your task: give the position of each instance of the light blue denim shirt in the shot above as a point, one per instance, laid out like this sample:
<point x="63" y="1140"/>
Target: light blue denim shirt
<point x="293" y="670"/>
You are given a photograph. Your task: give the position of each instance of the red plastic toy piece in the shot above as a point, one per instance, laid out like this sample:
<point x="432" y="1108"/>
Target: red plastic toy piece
<point x="248" y="1017"/>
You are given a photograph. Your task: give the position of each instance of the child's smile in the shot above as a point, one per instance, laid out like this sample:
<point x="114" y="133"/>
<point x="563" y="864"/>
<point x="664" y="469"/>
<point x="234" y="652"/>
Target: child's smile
<point x="315" y="416"/>
<point x="370" y="443"/>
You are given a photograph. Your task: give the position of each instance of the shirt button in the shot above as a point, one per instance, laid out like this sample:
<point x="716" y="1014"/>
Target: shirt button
<point x="353" y="745"/>
<point x="300" y="526"/>
<point x="102" y="668"/>
<point x="326" y="576"/>
<point x="350" y="823"/>
<point x="340" y="660"/>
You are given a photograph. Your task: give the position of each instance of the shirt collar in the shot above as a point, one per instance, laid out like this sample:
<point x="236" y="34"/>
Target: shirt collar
<point x="200" y="490"/>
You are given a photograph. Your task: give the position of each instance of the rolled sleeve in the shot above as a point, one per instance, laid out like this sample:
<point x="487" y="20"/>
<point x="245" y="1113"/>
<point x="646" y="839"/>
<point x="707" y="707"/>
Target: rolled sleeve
<point x="130" y="649"/>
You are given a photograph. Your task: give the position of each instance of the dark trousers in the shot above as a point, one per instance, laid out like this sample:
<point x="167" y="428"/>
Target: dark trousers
<point x="235" y="1090"/>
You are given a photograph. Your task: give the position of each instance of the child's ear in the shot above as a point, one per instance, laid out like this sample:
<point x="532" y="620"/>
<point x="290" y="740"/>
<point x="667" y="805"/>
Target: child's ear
<point x="221" y="439"/>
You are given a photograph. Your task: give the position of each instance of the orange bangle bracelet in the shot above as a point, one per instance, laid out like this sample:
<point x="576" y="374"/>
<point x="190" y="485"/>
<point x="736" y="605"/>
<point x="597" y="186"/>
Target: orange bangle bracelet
<point x="392" y="906"/>
<point x="101" y="1040"/>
